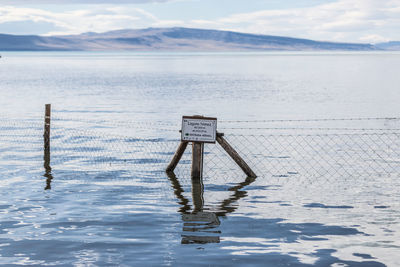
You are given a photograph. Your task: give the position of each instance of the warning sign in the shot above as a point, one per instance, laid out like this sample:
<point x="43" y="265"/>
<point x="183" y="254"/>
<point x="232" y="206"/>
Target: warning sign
<point x="199" y="129"/>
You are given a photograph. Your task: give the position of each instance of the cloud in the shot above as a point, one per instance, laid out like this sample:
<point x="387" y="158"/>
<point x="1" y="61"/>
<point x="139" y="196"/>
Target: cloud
<point x="341" y="20"/>
<point x="27" y="26"/>
<point x="98" y="19"/>
<point x="374" y="38"/>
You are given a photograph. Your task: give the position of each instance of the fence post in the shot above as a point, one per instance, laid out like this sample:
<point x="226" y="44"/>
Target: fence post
<point x="46" y="137"/>
<point x="46" y="134"/>
<point x="197" y="160"/>
<point x="235" y="156"/>
<point x="177" y="157"/>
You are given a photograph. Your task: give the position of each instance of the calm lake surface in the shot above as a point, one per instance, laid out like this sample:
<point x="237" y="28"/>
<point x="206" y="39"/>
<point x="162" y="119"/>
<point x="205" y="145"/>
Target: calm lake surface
<point x="103" y="199"/>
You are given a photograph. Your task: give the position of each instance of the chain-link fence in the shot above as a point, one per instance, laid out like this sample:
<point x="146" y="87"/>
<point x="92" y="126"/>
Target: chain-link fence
<point x="296" y="151"/>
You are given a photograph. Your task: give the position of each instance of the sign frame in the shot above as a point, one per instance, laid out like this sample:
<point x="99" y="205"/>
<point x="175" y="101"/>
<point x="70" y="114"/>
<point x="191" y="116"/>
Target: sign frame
<point x="186" y="132"/>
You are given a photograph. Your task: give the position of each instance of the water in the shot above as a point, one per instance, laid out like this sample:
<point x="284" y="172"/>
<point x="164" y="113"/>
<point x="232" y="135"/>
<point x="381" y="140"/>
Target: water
<point x="103" y="199"/>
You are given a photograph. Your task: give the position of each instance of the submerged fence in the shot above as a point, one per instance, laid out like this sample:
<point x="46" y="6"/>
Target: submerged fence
<point x="283" y="150"/>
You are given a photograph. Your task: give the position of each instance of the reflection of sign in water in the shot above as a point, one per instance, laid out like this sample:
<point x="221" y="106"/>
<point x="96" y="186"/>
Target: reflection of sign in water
<point x="199" y="129"/>
<point x="201" y="225"/>
<point x="201" y="217"/>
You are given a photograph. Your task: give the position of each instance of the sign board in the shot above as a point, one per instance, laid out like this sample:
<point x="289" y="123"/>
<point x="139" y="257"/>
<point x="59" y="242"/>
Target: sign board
<point x="199" y="129"/>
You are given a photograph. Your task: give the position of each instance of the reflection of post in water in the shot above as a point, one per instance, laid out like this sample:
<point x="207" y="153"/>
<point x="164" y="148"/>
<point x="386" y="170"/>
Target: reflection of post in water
<point x="47" y="169"/>
<point x="202" y="225"/>
<point x="226" y="205"/>
<point x="184" y="202"/>
<point x="197" y="194"/>
<point x="46" y="138"/>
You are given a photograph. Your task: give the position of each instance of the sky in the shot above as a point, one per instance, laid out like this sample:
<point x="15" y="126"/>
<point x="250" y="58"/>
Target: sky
<point x="361" y="21"/>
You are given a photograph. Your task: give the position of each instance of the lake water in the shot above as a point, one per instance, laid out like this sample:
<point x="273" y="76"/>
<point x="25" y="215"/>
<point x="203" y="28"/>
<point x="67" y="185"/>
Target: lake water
<point x="326" y="194"/>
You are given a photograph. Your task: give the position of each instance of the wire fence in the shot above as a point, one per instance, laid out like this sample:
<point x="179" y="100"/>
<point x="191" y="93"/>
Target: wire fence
<point x="280" y="150"/>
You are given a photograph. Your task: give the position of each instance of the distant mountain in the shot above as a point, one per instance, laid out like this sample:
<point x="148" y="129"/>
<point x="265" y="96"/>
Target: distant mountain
<point x="170" y="39"/>
<point x="393" y="46"/>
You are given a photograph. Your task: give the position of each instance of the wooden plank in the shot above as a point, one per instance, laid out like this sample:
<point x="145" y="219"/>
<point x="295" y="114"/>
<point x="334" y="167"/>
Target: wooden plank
<point x="197" y="160"/>
<point x="177" y="157"/>
<point x="235" y="156"/>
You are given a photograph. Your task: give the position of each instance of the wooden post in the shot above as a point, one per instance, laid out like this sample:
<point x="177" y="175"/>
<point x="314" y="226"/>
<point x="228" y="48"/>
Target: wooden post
<point x="46" y="134"/>
<point x="235" y="156"/>
<point x="177" y="157"/>
<point x="197" y="160"/>
<point x="46" y="137"/>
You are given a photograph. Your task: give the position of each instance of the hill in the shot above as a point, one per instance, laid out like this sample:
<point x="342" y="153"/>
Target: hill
<point x="170" y="39"/>
<point x="393" y="46"/>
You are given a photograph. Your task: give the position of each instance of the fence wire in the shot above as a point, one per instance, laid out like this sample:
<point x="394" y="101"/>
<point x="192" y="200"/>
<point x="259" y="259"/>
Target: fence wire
<point x="285" y="153"/>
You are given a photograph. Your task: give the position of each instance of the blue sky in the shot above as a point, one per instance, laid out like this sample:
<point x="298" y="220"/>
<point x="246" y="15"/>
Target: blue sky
<point x="335" y="20"/>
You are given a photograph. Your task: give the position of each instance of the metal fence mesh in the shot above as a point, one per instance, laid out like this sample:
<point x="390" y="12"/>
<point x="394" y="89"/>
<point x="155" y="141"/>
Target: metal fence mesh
<point x="284" y="154"/>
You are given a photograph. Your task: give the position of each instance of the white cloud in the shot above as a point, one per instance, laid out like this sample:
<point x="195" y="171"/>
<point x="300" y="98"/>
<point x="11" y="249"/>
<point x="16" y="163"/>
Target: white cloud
<point x="342" y="20"/>
<point x="99" y="19"/>
<point x="374" y="38"/>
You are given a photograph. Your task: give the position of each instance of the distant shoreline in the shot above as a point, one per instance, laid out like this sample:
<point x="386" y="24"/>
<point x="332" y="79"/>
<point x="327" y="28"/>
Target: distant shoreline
<point x="178" y="40"/>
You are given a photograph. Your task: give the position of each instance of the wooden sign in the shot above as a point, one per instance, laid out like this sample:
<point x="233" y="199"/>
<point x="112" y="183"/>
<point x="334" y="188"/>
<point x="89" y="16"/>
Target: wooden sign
<point x="199" y="129"/>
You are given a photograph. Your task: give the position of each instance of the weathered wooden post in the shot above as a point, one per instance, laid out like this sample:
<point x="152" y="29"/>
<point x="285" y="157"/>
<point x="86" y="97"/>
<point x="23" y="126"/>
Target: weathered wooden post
<point x="177" y="157"/>
<point x="46" y="138"/>
<point x="235" y="156"/>
<point x="197" y="160"/>
<point x="46" y="134"/>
